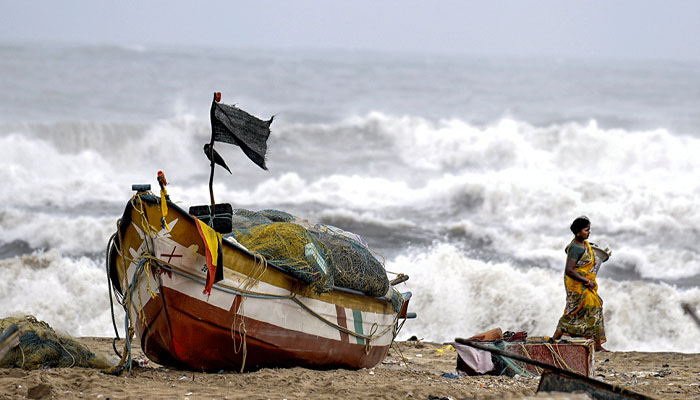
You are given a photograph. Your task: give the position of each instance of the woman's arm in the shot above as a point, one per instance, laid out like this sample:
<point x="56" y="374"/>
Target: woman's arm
<point x="571" y="272"/>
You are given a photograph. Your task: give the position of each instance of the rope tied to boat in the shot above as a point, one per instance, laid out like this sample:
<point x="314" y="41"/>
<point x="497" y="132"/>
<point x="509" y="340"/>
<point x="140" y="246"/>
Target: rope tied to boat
<point x="251" y="280"/>
<point x="143" y="263"/>
<point x="126" y="359"/>
<point x="368" y="341"/>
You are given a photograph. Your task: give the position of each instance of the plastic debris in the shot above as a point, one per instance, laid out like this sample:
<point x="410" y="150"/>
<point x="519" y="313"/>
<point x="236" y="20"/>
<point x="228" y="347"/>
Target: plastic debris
<point x="450" y="375"/>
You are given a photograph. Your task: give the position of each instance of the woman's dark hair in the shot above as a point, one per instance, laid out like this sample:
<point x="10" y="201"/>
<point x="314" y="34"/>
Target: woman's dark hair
<point x="579" y="223"/>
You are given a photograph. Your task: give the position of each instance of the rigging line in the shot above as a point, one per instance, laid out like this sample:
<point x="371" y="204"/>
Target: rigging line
<point x="238" y="292"/>
<point x="110" y="242"/>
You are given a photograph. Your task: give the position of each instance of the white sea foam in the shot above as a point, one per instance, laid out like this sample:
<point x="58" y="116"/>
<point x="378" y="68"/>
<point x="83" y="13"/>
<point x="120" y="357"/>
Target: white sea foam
<point x="68" y="293"/>
<point x="637" y="186"/>
<point x="72" y="234"/>
<point x="455" y="296"/>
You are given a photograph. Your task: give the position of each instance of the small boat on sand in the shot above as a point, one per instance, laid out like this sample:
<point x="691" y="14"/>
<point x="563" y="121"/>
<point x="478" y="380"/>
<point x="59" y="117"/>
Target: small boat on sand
<point x="257" y="315"/>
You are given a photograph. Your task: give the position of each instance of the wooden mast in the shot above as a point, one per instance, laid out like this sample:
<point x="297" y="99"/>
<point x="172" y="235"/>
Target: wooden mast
<point x="217" y="98"/>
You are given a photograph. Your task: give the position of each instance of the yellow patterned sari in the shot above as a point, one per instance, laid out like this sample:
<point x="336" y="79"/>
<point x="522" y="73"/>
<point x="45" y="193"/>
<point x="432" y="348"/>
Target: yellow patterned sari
<point x="583" y="316"/>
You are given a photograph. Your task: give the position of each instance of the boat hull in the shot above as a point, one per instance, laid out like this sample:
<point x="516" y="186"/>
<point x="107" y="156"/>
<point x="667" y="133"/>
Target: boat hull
<point x="256" y="317"/>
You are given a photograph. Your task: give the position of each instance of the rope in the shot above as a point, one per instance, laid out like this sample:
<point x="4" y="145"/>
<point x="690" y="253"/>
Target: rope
<point x="398" y="328"/>
<point x="395" y="345"/>
<point x="250" y="281"/>
<point x="121" y="365"/>
<point x="121" y="297"/>
<point x="527" y="354"/>
<point x="213" y="215"/>
<point x="557" y="357"/>
<point x="372" y="331"/>
<point x="342" y="329"/>
<point x="66" y="350"/>
<point x="110" y="242"/>
<point x="126" y="360"/>
<point x="22" y="350"/>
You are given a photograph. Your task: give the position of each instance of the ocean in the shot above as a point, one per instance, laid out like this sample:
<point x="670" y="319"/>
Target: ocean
<point x="463" y="172"/>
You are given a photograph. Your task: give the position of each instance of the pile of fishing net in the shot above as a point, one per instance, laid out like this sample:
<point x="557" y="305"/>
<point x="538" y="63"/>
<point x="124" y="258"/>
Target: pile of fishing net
<point x="30" y="344"/>
<point x="321" y="256"/>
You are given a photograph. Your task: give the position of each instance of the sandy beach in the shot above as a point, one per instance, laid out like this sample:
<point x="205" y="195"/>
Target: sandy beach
<point x="413" y="370"/>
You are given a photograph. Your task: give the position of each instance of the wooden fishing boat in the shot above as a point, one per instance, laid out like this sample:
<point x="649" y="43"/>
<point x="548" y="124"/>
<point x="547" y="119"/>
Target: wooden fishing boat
<point x="257" y="316"/>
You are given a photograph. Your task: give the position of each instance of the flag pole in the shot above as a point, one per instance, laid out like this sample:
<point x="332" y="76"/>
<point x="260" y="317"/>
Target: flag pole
<point x="217" y="98"/>
<point x="211" y="174"/>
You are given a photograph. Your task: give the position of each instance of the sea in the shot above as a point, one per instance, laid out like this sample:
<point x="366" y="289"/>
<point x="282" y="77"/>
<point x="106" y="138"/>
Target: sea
<point x="462" y="171"/>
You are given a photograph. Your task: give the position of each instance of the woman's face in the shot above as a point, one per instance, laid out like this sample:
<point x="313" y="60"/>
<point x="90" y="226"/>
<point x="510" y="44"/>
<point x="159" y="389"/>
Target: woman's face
<point x="585" y="232"/>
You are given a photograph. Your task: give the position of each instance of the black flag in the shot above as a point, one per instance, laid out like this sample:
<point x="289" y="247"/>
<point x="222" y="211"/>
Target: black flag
<point x="230" y="124"/>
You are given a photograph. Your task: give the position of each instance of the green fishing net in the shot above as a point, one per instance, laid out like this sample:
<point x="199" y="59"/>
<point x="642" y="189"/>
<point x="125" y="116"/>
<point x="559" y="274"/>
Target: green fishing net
<point x="41" y="347"/>
<point x="292" y="248"/>
<point x="319" y="255"/>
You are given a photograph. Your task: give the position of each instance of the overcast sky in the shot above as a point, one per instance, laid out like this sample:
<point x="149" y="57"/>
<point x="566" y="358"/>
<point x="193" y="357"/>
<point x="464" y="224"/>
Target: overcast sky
<point x="590" y="29"/>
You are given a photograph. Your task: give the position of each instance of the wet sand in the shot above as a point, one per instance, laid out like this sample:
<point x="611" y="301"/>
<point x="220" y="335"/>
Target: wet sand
<point x="413" y="370"/>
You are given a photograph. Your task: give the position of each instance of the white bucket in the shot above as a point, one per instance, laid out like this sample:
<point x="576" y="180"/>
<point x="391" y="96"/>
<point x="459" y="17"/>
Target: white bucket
<point x="601" y="256"/>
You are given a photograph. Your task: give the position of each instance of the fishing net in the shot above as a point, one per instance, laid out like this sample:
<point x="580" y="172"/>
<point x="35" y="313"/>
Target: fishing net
<point x="277" y="216"/>
<point x="355" y="266"/>
<point x="396" y="299"/>
<point x="506" y="366"/>
<point x="292" y="248"/>
<point x="293" y="244"/>
<point x="41" y="347"/>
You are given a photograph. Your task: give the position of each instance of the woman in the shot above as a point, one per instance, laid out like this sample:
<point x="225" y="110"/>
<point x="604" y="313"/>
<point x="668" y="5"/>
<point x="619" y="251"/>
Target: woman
<point x="583" y="316"/>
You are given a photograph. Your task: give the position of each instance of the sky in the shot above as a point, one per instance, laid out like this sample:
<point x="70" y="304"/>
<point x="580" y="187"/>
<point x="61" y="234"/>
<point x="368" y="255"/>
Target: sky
<point x="647" y="29"/>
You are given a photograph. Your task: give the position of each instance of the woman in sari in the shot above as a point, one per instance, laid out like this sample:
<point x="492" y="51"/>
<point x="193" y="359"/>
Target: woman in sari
<point x="583" y="315"/>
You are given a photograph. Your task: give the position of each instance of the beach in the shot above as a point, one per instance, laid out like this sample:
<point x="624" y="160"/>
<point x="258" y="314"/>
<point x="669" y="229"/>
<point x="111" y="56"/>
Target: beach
<point x="413" y="370"/>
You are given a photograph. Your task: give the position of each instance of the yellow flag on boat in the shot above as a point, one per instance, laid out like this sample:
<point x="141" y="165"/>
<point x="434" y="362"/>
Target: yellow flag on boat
<point x="163" y="200"/>
<point x="213" y="252"/>
<point x="164" y="207"/>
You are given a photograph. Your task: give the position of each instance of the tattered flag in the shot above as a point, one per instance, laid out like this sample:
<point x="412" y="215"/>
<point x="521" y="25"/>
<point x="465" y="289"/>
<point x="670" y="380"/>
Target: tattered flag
<point x="213" y="254"/>
<point x="230" y="124"/>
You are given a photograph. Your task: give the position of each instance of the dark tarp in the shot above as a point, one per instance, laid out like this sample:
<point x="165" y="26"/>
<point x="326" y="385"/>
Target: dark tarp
<point x="230" y="124"/>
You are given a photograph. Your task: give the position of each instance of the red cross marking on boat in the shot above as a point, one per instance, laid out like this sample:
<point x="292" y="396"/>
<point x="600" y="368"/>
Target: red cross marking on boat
<point x="171" y="255"/>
